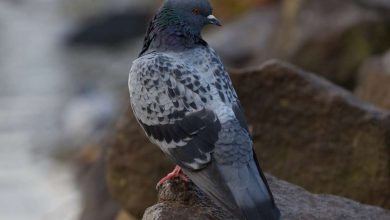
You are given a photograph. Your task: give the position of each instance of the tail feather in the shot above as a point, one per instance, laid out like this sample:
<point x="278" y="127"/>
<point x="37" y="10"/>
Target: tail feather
<point x="242" y="190"/>
<point x="251" y="192"/>
<point x="263" y="176"/>
<point x="211" y="182"/>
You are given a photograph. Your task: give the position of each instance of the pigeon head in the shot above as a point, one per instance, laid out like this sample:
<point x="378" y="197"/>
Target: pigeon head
<point x="193" y="15"/>
<point x="178" y="24"/>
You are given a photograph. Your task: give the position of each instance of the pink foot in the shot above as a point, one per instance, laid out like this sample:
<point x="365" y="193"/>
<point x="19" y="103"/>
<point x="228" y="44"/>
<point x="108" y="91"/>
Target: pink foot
<point x="177" y="172"/>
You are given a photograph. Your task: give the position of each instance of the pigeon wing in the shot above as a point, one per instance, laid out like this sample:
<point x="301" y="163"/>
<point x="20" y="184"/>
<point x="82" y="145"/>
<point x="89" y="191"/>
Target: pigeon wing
<point x="168" y="99"/>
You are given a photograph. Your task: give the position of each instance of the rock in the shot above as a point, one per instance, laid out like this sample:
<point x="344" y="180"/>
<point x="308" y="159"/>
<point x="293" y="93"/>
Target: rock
<point x="255" y="39"/>
<point x="134" y="166"/>
<point x="306" y="130"/>
<point x="179" y="200"/>
<point x="374" y="80"/>
<point x="97" y="203"/>
<point x="337" y="52"/>
<point x="84" y="9"/>
<point x="182" y="200"/>
<point x="123" y="215"/>
<point x="382" y="6"/>
<point x="111" y="29"/>
<point x="307" y="117"/>
<point x="294" y="31"/>
<point x="312" y="133"/>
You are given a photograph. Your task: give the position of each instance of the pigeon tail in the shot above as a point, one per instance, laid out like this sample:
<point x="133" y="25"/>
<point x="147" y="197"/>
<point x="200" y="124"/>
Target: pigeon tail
<point x="211" y="182"/>
<point x="241" y="190"/>
<point x="250" y="191"/>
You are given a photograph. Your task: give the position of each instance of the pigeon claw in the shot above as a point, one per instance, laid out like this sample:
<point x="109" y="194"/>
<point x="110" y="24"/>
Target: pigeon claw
<point x="176" y="173"/>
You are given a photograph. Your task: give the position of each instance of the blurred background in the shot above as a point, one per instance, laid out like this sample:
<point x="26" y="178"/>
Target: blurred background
<point x="63" y="84"/>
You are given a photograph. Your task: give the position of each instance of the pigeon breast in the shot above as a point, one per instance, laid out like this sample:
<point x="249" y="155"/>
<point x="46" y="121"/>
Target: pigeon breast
<point x="181" y="99"/>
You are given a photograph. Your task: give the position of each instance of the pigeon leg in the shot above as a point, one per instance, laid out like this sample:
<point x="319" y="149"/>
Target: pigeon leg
<point x="177" y="172"/>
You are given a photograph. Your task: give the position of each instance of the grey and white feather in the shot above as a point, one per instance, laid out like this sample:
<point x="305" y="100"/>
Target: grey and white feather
<point x="185" y="102"/>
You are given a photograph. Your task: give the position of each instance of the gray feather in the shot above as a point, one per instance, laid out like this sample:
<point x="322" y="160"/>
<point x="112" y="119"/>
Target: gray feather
<point x="210" y="181"/>
<point x="250" y="192"/>
<point x="185" y="102"/>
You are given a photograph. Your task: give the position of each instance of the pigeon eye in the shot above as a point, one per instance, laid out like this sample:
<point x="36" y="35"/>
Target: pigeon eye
<point x="196" y="11"/>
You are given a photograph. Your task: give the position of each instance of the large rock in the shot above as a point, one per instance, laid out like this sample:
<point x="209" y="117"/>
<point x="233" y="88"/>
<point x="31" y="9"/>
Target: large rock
<point x="306" y="131"/>
<point x="382" y="6"/>
<point x="182" y="200"/>
<point x="374" y="80"/>
<point x="245" y="40"/>
<point x="134" y="166"/>
<point x="110" y="30"/>
<point x="96" y="201"/>
<point x="312" y="133"/>
<point x="330" y="38"/>
<point x="248" y="37"/>
<point x="179" y="200"/>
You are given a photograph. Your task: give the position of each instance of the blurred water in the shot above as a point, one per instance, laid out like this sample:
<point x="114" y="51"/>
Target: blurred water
<point x="32" y="80"/>
<point x="37" y="81"/>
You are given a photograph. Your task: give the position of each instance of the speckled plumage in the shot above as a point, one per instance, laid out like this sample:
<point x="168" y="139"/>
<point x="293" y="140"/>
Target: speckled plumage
<point x="184" y="100"/>
<point x="192" y="81"/>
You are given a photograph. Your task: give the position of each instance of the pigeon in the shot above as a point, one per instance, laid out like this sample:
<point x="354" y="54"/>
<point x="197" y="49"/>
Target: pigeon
<point x="184" y="100"/>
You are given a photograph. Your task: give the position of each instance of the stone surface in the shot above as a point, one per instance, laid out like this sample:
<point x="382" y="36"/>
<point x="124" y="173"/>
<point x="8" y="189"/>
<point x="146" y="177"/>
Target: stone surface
<point x="90" y="178"/>
<point x="294" y="31"/>
<point x="253" y="39"/>
<point x="317" y="135"/>
<point x="382" y="6"/>
<point x="134" y="166"/>
<point x="337" y="52"/>
<point x="179" y="200"/>
<point x="111" y="30"/>
<point x="182" y="200"/>
<point x="123" y="215"/>
<point x="374" y="80"/>
<point x="306" y="130"/>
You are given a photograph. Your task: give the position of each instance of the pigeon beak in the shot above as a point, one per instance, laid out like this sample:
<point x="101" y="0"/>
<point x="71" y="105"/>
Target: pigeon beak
<point x="213" y="20"/>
